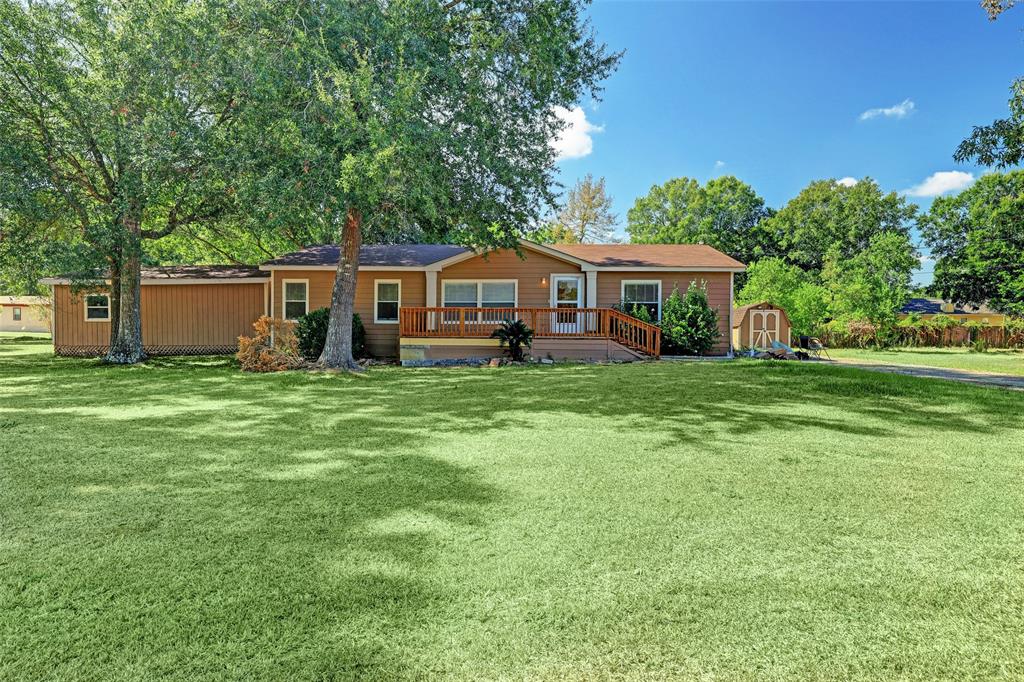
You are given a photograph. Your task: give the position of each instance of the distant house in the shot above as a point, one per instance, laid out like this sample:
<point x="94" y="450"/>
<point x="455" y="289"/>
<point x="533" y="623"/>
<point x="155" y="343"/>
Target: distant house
<point x="928" y="308"/>
<point x="24" y="314"/>
<point x="422" y="303"/>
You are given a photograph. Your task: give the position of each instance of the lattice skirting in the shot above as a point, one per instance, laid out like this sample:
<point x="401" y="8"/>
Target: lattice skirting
<point x="96" y="351"/>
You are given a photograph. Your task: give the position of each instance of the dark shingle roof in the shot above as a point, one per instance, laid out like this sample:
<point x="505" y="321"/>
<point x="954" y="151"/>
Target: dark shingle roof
<point x="408" y="255"/>
<point x="202" y="272"/>
<point x="933" y="306"/>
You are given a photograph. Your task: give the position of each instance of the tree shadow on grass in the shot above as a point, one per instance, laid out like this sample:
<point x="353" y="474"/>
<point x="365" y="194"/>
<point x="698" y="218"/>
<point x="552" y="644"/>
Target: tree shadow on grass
<point x="293" y="524"/>
<point x="186" y="547"/>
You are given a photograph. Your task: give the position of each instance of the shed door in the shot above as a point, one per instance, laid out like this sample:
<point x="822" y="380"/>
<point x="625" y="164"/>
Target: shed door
<point x="764" y="328"/>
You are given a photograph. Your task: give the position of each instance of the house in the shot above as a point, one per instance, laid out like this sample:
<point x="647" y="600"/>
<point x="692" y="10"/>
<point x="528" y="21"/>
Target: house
<point x="928" y="308"/>
<point x="24" y="314"/>
<point x="422" y="303"/>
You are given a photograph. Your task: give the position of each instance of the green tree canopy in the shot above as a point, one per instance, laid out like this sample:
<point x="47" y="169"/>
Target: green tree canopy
<point x="874" y="283"/>
<point x="118" y="120"/>
<point x="772" y="279"/>
<point x="726" y="214"/>
<point x="977" y="240"/>
<point x="827" y="216"/>
<point x="420" y="116"/>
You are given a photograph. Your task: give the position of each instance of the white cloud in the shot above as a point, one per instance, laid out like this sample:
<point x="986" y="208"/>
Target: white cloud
<point x="847" y="181"/>
<point x="574" y="141"/>
<point x="940" y="183"/>
<point x="901" y="110"/>
<point x="719" y="165"/>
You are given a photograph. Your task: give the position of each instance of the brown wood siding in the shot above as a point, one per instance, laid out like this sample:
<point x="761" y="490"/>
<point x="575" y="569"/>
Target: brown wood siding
<point x="181" y="316"/>
<point x="609" y="292"/>
<point x="506" y="264"/>
<point x="381" y="339"/>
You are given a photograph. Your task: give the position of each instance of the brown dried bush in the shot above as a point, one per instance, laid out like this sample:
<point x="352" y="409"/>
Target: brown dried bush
<point x="273" y="347"/>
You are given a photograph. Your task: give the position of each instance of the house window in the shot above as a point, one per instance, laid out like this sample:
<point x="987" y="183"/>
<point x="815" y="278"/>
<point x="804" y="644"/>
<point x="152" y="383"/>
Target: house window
<point x="646" y="293"/>
<point x="97" y="307"/>
<point x="296" y="298"/>
<point x="17" y="314"/>
<point x="387" y="299"/>
<point x="484" y="294"/>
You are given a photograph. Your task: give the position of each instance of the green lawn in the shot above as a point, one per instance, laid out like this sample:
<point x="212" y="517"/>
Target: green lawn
<point x="724" y="521"/>
<point x="998" y="361"/>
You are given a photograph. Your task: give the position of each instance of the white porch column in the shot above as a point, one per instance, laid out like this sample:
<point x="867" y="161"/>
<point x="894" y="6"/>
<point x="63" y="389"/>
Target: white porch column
<point x="732" y="350"/>
<point x="591" y="292"/>
<point x="431" y="295"/>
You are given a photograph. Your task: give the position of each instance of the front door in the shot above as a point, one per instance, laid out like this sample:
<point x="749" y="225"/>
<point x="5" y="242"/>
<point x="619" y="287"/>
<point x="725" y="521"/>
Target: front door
<point x="567" y="296"/>
<point x="764" y="328"/>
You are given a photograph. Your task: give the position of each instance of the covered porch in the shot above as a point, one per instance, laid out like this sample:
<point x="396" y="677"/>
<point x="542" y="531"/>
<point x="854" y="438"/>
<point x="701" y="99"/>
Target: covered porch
<point x="447" y="333"/>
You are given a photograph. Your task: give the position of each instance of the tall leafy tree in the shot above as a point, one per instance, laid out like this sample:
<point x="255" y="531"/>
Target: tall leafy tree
<point x="977" y="240"/>
<point x="587" y="215"/>
<point x="726" y="214"/>
<point x="829" y="217"/>
<point x="117" y="119"/>
<point x="421" y="116"/>
<point x="805" y="301"/>
<point x="1000" y="143"/>
<point x="874" y="283"/>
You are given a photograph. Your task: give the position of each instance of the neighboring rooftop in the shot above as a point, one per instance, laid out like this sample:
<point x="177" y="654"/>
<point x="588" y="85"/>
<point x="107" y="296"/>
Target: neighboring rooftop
<point x="380" y="255"/>
<point x="24" y="300"/>
<point x="934" y="306"/>
<point x="650" y="255"/>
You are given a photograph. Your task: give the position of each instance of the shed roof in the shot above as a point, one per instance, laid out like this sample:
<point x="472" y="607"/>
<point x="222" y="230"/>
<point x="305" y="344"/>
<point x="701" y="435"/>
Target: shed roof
<point x="739" y="313"/>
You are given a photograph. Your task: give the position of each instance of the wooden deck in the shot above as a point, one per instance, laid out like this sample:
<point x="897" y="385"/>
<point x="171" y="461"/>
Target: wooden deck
<point x="546" y="323"/>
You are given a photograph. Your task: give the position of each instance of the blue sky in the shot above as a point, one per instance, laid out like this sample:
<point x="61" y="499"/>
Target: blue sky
<point x="775" y="93"/>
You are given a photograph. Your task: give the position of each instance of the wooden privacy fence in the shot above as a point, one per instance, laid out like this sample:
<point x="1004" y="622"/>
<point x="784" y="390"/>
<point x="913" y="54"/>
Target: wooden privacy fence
<point x="602" y="323"/>
<point x="994" y="337"/>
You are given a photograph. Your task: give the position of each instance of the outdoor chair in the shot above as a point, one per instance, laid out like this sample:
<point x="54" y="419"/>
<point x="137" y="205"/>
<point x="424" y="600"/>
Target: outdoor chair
<point x="814" y="347"/>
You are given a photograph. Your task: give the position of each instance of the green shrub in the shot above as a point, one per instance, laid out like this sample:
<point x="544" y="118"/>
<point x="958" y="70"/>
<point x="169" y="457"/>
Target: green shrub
<point x="689" y="326"/>
<point x="514" y="334"/>
<point x="634" y="310"/>
<point x="311" y="331"/>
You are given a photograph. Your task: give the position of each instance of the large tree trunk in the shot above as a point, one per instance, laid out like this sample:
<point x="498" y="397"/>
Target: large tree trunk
<point x="126" y="337"/>
<point x="338" y="348"/>
<point x="115" y="297"/>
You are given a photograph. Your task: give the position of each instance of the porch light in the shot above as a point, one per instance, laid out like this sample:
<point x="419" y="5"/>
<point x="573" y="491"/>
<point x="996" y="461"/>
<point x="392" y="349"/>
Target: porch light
<point x="543" y="281"/>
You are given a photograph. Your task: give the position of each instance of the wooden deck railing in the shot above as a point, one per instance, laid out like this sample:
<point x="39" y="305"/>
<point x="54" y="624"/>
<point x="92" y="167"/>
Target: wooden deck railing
<point x="602" y="323"/>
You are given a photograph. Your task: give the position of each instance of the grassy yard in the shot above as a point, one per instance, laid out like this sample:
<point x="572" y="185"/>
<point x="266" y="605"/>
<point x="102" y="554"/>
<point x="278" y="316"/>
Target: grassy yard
<point x="713" y="520"/>
<point x="998" y="361"/>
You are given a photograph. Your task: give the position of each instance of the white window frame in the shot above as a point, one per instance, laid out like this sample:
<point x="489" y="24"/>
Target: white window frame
<point x="86" y="306"/>
<point x="284" y="298"/>
<point x="622" y="291"/>
<point x="480" y="290"/>
<point x="376" y="300"/>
